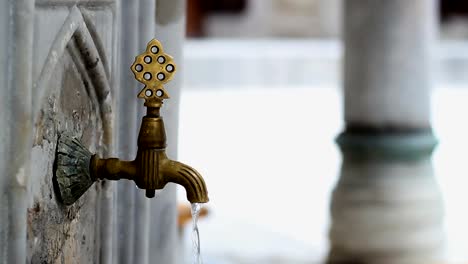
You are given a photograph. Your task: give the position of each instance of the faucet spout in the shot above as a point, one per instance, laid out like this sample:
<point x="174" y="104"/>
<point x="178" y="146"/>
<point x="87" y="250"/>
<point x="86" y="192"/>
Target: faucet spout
<point x="152" y="169"/>
<point x="189" y="178"/>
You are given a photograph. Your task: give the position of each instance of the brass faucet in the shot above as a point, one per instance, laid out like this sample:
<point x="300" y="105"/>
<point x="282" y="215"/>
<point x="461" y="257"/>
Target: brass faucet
<point x="151" y="169"/>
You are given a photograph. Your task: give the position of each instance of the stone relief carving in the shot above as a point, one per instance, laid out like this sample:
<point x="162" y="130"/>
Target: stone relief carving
<point x="73" y="95"/>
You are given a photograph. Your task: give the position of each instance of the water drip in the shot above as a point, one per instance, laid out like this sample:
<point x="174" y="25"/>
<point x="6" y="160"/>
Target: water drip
<point x="196" y="208"/>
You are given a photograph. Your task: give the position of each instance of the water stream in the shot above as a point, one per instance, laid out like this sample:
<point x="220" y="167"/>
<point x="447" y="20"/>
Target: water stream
<point x="196" y="207"/>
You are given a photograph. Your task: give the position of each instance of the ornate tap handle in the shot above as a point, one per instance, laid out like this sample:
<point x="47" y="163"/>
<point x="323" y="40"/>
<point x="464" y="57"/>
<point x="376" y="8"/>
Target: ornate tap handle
<point x="153" y="68"/>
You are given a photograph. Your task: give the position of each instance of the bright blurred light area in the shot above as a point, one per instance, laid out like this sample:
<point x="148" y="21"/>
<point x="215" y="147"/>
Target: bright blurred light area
<point x="258" y="120"/>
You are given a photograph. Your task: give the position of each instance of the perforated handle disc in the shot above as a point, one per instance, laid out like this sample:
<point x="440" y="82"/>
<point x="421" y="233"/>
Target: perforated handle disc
<point x="153" y="68"/>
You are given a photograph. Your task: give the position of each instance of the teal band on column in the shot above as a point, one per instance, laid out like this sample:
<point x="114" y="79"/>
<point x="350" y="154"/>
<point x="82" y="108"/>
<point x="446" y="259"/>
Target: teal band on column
<point x="391" y="146"/>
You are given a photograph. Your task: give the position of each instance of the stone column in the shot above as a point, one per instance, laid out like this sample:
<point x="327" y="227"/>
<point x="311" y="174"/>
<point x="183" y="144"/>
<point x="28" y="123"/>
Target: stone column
<point x="386" y="206"/>
<point x="16" y="122"/>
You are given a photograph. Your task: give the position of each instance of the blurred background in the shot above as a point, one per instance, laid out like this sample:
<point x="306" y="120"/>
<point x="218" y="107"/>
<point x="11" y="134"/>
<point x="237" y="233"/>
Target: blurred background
<point x="261" y="106"/>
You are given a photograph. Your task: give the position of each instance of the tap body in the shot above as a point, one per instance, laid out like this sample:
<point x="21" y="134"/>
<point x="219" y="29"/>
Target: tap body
<point x="152" y="169"/>
<point x="77" y="169"/>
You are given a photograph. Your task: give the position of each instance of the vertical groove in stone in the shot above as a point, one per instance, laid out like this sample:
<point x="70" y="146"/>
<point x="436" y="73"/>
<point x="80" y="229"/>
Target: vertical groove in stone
<point x="127" y="132"/>
<point x="146" y="32"/>
<point x="170" y="30"/>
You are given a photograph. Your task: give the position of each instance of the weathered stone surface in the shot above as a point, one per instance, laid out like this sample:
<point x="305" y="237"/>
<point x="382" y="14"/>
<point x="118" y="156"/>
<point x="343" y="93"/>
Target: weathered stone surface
<point x="77" y="84"/>
<point x="56" y="233"/>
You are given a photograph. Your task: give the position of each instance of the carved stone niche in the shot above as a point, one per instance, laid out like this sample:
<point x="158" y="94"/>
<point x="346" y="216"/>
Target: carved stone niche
<point x="72" y="96"/>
